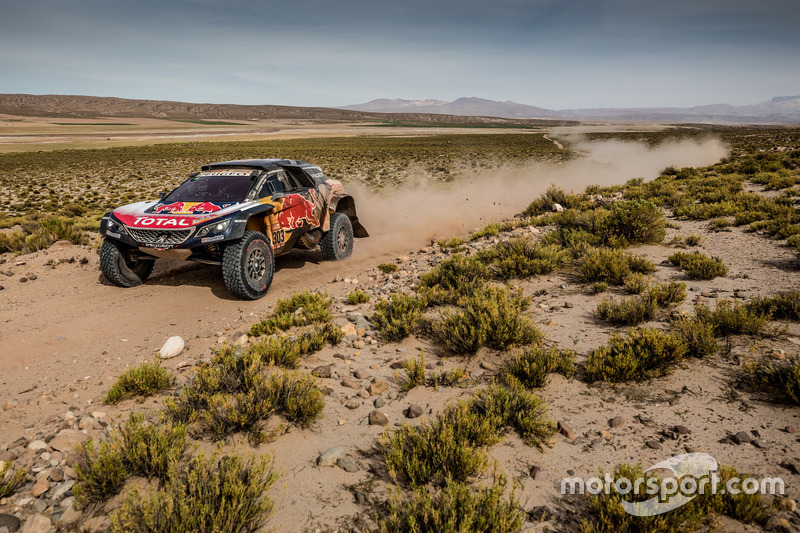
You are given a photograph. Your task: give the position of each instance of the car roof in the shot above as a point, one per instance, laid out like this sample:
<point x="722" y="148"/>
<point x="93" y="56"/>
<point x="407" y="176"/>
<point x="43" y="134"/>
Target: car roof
<point x="263" y="164"/>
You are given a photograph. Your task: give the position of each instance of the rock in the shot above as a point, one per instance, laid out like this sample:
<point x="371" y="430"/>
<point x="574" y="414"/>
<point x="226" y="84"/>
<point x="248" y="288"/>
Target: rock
<point x="760" y="443"/>
<point x="10" y="404"/>
<point x="172" y="347"/>
<point x="353" y="403"/>
<point x="32" y="276"/>
<point x="362" y="374"/>
<point x="347" y="464"/>
<point x="790" y="429"/>
<point x="57" y="474"/>
<point x="349" y="383"/>
<point x="568" y="305"/>
<point x="330" y="456"/>
<point x="40" y="487"/>
<point x="61" y="490"/>
<point x="359" y="344"/>
<point x="606" y="434"/>
<point x="537" y="473"/>
<point x="616" y="422"/>
<point x="558" y="208"/>
<point x="36" y="445"/>
<point x="66" y="440"/>
<point x="788" y="504"/>
<point x="86" y="422"/>
<point x="349" y="329"/>
<point x="681" y="430"/>
<point x="364" y="394"/>
<point x="379" y="402"/>
<point x="654" y="444"/>
<point x="362" y="498"/>
<point x="413" y="411"/>
<point x="397" y="365"/>
<point x="377" y="418"/>
<point x="778" y="523"/>
<point x="379" y="387"/>
<point x="323" y="371"/>
<point x="70" y="516"/>
<point x="10" y="522"/>
<point x="742" y="438"/>
<point x="565" y="430"/>
<point x="37" y="523"/>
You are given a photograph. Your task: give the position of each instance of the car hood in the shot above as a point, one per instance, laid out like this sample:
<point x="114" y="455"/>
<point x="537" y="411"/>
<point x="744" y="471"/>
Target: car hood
<point x="159" y="214"/>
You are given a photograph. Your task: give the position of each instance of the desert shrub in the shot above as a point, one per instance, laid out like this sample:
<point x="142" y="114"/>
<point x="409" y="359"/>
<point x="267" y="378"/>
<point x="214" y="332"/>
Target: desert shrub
<point x="10" y="479"/>
<point x="144" y="380"/>
<point x="453" y="278"/>
<point x="698" y="266"/>
<point x="296" y="397"/>
<point x="39" y="233"/>
<point x="600" y="286"/>
<point x="636" y="221"/>
<point x="780" y="306"/>
<point x="733" y="318"/>
<point x="555" y="195"/>
<point x="452" y="447"/>
<point x="285" y="351"/>
<point x="609" y="516"/>
<point x="693" y="240"/>
<point x="301" y="309"/>
<point x="458" y="508"/>
<point x="635" y="283"/>
<point x="523" y="257"/>
<point x="489" y="230"/>
<point x="667" y="295"/>
<point x="532" y="365"/>
<point x="456" y="243"/>
<point x="387" y="268"/>
<point x="101" y="471"/>
<point x="780" y="378"/>
<point x="626" y="311"/>
<point x="357" y="297"/>
<point x="150" y="449"/>
<point x="698" y="335"/>
<point x="415" y="373"/>
<point x="222" y="495"/>
<point x="612" y="266"/>
<point x="397" y="317"/>
<point x="492" y="317"/>
<point x="641" y="354"/>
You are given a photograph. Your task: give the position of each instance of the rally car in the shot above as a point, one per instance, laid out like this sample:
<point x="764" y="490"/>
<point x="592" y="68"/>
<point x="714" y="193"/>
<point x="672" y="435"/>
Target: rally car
<point x="237" y="214"/>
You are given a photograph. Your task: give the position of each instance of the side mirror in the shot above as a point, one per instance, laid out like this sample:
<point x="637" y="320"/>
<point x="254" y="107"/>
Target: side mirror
<point x="278" y="195"/>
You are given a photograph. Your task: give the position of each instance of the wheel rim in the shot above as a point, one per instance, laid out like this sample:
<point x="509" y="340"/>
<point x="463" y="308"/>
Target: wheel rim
<point x="341" y="239"/>
<point x="256" y="265"/>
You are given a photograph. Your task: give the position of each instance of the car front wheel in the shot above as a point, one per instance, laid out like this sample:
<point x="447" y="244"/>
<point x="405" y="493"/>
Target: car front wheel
<point x="248" y="266"/>
<point x="121" y="264"/>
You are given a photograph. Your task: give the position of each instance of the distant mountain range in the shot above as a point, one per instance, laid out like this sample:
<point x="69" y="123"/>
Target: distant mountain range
<point x="779" y="110"/>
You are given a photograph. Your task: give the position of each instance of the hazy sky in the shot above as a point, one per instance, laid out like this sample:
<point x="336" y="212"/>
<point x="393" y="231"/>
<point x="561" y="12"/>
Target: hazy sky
<point x="550" y="53"/>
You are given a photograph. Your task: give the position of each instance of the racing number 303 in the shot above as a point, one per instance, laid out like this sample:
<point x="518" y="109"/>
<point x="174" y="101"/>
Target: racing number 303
<point x="278" y="237"/>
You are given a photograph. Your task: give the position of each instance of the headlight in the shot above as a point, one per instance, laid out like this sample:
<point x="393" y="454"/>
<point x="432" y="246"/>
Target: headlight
<point x="217" y="227"/>
<point x="116" y="227"/>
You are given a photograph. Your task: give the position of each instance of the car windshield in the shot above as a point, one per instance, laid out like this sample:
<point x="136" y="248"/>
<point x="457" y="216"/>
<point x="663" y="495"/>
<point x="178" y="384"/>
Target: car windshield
<point x="212" y="187"/>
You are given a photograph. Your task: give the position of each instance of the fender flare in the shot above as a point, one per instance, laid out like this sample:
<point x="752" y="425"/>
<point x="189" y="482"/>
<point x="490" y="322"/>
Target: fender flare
<point x="344" y="203"/>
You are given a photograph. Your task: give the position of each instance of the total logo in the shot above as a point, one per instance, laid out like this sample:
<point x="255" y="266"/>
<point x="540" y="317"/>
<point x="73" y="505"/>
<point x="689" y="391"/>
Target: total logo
<point x="162" y="222"/>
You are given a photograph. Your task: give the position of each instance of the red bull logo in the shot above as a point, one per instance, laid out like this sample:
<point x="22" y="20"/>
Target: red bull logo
<point x="189" y="208"/>
<point x="297" y="210"/>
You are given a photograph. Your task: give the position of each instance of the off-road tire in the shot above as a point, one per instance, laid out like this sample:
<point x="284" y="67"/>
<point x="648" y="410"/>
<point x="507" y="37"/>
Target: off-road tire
<point x="122" y="268"/>
<point x="248" y="266"/>
<point x="337" y="244"/>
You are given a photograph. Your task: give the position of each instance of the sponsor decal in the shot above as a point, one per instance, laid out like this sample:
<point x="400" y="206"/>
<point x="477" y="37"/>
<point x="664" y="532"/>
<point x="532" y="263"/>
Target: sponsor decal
<point x="112" y="234"/>
<point x="298" y="209"/>
<point x="190" y="208"/>
<point x="224" y="172"/>
<point x="212" y="239"/>
<point x="158" y="246"/>
<point x="162" y="222"/>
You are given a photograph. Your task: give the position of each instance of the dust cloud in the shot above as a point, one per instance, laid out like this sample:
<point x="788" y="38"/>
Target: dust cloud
<point x="422" y="210"/>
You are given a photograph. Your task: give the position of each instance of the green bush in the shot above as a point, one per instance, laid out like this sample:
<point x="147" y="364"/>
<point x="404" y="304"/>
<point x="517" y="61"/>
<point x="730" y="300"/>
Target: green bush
<point x="387" y="268"/>
<point x="150" y="449"/>
<point x="532" y="366"/>
<point x="780" y="306"/>
<point x="612" y="266"/>
<point x="39" y="233"/>
<point x="524" y="257"/>
<point x="693" y="240"/>
<point x="489" y="230"/>
<point x="555" y="195"/>
<point x="667" y="295"/>
<point x="147" y="379"/>
<point x="10" y="479"/>
<point x="100" y="471"/>
<point x="453" y="278"/>
<point x="733" y="318"/>
<point x="397" y="317"/>
<point x="641" y="354"/>
<point x="698" y="335"/>
<point x="491" y="317"/>
<point x="458" y="508"/>
<point x="301" y="309"/>
<point x="698" y="266"/>
<point x="626" y="311"/>
<point x="225" y="495"/>
<point x="415" y="373"/>
<point x="635" y="283"/>
<point x="357" y="297"/>
<point x="780" y="378"/>
<point x="599" y="287"/>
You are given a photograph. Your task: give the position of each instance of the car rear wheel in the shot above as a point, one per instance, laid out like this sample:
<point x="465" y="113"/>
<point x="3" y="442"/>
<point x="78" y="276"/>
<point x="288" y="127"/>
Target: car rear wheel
<point x="248" y="266"/>
<point x="122" y="265"/>
<point x="337" y="244"/>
